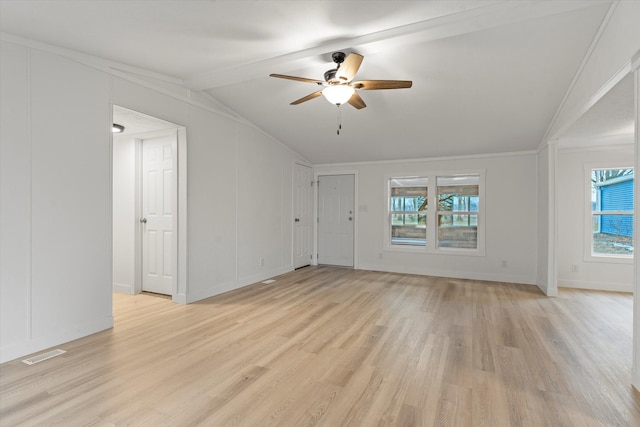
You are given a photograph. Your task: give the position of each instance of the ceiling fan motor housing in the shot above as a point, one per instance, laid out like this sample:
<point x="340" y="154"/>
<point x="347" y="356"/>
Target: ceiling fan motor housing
<point x="338" y="58"/>
<point x="330" y="75"/>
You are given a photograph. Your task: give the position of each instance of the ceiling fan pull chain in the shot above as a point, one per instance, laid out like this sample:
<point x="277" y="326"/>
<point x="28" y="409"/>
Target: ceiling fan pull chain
<point x="339" y="120"/>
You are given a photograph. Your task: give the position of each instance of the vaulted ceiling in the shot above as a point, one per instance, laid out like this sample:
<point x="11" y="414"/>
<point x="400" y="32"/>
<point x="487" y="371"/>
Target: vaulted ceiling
<point x="488" y="76"/>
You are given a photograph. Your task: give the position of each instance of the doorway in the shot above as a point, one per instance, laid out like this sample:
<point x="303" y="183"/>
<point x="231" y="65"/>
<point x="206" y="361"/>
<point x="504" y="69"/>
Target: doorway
<point x="149" y="205"/>
<point x="336" y="219"/>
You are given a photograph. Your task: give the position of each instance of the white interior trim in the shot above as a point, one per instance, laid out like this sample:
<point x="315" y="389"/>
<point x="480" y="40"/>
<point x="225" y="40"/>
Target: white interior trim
<point x="635" y="364"/>
<point x="430" y="159"/>
<point x="607" y="142"/>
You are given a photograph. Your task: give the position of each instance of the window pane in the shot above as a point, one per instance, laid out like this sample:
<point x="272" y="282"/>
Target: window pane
<point x="612" y="234"/>
<point x="454" y="202"/>
<point x="474" y="204"/>
<point x="408" y="229"/>
<point x="418" y="203"/>
<point x="611" y="190"/>
<point x="408" y="203"/>
<point x="458" y="193"/>
<point x="408" y="219"/>
<point x="458" y="231"/>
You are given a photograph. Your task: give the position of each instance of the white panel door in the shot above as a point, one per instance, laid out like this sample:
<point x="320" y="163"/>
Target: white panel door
<point x="159" y="188"/>
<point x="302" y="215"/>
<point x="336" y="219"/>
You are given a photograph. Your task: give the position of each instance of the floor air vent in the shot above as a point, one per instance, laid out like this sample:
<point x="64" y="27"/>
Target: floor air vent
<point x="268" y="281"/>
<point x="44" y="356"/>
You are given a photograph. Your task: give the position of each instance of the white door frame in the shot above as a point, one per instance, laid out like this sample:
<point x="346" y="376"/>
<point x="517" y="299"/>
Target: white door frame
<point x="179" y="281"/>
<point x="316" y="177"/>
<point x="293" y="213"/>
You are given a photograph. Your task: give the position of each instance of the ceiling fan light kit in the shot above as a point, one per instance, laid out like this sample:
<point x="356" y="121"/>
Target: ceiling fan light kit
<point x="338" y="94"/>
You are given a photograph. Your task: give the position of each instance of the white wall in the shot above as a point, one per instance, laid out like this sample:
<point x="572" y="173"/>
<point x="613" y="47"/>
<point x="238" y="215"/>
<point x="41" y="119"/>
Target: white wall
<point x="15" y="198"/>
<point x="56" y="209"/>
<point x="511" y="224"/>
<point x="56" y="192"/>
<point x="240" y="202"/>
<point x="572" y="191"/>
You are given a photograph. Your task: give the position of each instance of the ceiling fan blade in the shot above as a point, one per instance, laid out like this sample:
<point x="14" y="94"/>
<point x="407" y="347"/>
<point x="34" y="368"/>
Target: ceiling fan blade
<point x="356" y="101"/>
<point x="348" y="69"/>
<point x="307" y="98"/>
<point x="300" y="79"/>
<point x="382" y="84"/>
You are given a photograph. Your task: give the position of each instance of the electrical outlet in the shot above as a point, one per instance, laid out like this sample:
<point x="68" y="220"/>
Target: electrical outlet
<point x="504" y="263"/>
<point x="574" y="268"/>
<point x="261" y="262"/>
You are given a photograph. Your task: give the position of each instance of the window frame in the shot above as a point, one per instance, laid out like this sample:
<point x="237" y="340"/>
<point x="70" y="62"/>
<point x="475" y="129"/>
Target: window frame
<point x="432" y="214"/>
<point x="589" y="255"/>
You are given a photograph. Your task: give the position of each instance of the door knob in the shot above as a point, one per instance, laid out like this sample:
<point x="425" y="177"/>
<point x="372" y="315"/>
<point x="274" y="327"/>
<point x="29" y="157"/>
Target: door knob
<point x="143" y="220"/>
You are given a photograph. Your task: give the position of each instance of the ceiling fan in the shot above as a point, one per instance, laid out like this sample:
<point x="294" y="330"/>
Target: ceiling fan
<point x="339" y="85"/>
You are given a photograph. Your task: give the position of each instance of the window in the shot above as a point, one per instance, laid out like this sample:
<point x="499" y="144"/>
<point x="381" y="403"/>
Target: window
<point x="458" y="203"/>
<point x="408" y="208"/>
<point x="450" y="221"/>
<point x="611" y="213"/>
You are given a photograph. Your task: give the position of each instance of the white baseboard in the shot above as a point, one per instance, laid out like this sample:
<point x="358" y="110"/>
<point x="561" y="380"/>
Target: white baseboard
<point x="123" y="289"/>
<point x="236" y="284"/>
<point x="179" y="298"/>
<point x="57" y="338"/>
<point x="549" y="293"/>
<point x="596" y="286"/>
<point x="506" y="278"/>
<point x="635" y="379"/>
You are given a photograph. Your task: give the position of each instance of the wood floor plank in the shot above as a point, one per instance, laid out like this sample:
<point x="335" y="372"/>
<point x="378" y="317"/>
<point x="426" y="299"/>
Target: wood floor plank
<point x="334" y="347"/>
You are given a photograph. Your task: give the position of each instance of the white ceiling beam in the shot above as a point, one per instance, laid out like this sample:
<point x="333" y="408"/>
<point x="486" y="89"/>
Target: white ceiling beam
<point x="473" y="20"/>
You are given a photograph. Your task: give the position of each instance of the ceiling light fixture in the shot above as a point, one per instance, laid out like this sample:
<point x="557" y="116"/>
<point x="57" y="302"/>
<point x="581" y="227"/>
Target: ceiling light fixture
<point x="117" y="128"/>
<point x="338" y="94"/>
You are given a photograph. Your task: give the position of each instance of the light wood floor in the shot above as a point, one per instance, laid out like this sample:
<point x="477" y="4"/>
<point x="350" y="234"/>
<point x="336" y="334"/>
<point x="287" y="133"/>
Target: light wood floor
<point x="338" y="347"/>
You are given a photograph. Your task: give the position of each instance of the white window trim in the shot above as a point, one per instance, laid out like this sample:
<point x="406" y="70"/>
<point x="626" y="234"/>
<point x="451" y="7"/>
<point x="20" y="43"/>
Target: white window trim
<point x="588" y="255"/>
<point x="430" y="247"/>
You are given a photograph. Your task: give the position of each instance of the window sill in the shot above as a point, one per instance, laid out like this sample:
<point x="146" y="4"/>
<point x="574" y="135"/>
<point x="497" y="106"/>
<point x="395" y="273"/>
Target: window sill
<point x="609" y="259"/>
<point x="433" y="251"/>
